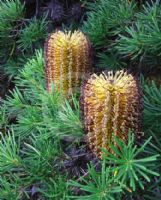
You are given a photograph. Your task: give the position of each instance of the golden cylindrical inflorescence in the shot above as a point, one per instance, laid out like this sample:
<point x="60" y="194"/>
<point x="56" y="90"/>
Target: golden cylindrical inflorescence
<point x="67" y="59"/>
<point x="110" y="104"/>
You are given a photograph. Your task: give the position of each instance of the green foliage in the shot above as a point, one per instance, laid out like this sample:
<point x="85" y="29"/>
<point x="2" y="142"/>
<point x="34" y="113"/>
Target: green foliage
<point x="3" y="118"/>
<point x="98" y="185"/>
<point x="69" y="119"/>
<point x="54" y="190"/>
<point x="15" y="103"/>
<point x="32" y="34"/>
<point x="43" y="151"/>
<point x="9" y="150"/>
<point x="13" y="65"/>
<point x="23" y="164"/>
<point x="133" y="168"/>
<point x="153" y="192"/>
<point x="18" y="34"/>
<point x="129" y="34"/>
<point x="9" y="189"/>
<point x="142" y="39"/>
<point x="32" y="76"/>
<point x="152" y="107"/>
<point x="103" y="27"/>
<point x="127" y="169"/>
<point x="110" y="60"/>
<point x="11" y="10"/>
<point x="102" y="24"/>
<point x="31" y="81"/>
<point x="41" y="119"/>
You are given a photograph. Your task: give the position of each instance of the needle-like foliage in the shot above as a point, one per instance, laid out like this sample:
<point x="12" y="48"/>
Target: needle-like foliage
<point x="98" y="185"/>
<point x="12" y="183"/>
<point x="129" y="34"/>
<point x="54" y="190"/>
<point x="127" y="168"/>
<point x="43" y="151"/>
<point x="152" y="107"/>
<point x="69" y="118"/>
<point x="32" y="34"/>
<point x="9" y="150"/>
<point x="3" y="118"/>
<point x="18" y="34"/>
<point x="102" y="24"/>
<point x="132" y="167"/>
<point x="142" y="39"/>
<point x="25" y="164"/>
<point x="10" y="12"/>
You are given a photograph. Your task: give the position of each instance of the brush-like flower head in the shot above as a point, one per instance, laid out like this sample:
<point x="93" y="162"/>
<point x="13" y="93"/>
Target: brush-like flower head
<point x="111" y="104"/>
<point x="68" y="60"/>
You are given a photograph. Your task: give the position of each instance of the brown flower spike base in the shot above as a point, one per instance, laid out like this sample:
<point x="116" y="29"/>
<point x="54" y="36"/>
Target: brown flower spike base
<point x="110" y="103"/>
<point x="67" y="59"/>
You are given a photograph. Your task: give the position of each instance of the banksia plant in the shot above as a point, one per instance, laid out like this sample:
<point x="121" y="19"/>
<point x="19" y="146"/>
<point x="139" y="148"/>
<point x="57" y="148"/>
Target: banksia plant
<point x="68" y="60"/>
<point x="110" y="104"/>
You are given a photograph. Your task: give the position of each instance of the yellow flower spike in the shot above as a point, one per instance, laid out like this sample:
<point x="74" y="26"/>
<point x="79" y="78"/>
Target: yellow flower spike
<point x="110" y="104"/>
<point x="67" y="59"/>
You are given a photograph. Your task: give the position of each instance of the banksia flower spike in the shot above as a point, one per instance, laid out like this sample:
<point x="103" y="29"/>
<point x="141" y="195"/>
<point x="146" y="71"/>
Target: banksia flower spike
<point x="68" y="60"/>
<point x="110" y="104"/>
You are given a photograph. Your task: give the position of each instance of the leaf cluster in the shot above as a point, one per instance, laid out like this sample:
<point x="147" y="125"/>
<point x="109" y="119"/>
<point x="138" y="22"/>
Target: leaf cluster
<point x="31" y="148"/>
<point x="29" y="164"/>
<point x="141" y="40"/>
<point x="123" y="171"/>
<point x="102" y="24"/>
<point x="152" y="107"/>
<point x="130" y="34"/>
<point x="18" y="34"/>
<point x="11" y="12"/>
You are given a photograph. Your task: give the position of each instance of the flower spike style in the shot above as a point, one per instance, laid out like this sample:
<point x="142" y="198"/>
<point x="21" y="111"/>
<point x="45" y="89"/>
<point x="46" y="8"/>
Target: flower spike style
<point x="110" y="104"/>
<point x="67" y="60"/>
